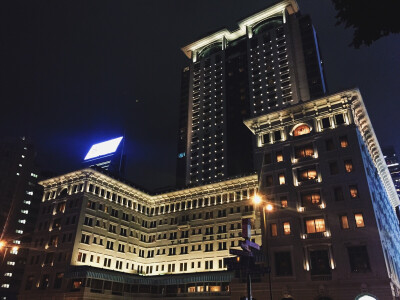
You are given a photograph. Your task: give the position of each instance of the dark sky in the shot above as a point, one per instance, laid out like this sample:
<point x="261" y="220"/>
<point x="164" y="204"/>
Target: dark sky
<point x="73" y="73"/>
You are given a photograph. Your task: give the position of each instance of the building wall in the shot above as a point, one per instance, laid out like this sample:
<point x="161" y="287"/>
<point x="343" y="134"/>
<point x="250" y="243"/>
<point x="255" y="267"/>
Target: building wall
<point x="269" y="63"/>
<point x="90" y="219"/>
<point x="350" y="233"/>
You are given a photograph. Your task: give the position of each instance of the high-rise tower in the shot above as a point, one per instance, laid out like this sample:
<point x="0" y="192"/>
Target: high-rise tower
<point x="20" y="197"/>
<point x="270" y="62"/>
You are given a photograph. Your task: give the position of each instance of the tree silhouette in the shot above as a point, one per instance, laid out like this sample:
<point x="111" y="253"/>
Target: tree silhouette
<point x="371" y="20"/>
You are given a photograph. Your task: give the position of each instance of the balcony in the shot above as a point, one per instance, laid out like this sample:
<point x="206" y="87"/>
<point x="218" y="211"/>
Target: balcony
<point x="316" y="235"/>
<point x="247" y="213"/>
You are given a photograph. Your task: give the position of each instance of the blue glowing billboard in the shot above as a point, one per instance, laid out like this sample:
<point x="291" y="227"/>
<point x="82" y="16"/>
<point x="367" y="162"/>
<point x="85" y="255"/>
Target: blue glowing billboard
<point x="103" y="148"/>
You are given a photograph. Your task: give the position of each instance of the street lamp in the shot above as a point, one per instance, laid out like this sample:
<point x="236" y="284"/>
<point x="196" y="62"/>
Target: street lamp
<point x="264" y="207"/>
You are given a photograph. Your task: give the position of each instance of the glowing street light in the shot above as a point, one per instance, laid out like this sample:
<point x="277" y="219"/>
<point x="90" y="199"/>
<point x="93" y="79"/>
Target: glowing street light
<point x="1" y="244"/>
<point x="257" y="199"/>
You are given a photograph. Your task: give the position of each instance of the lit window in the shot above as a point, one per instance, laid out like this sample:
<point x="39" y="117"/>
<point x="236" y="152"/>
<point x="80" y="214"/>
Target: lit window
<point x="286" y="228"/>
<point x="18" y="242"/>
<point x="315" y="225"/>
<point x="19" y="231"/>
<point x="284" y="203"/>
<point x="359" y="220"/>
<point x="24" y="211"/>
<point x="22" y="221"/>
<point x="279" y="156"/>
<point x="8" y="274"/>
<point x="34" y="175"/>
<point x="5" y="285"/>
<point x="17" y="174"/>
<point x="344" y="222"/>
<point x="29" y="193"/>
<point x="343" y="142"/>
<point x="307" y="174"/>
<point x="304" y="151"/>
<point x="311" y="198"/>
<point x="281" y="179"/>
<point x="23" y="156"/>
<point x="20" y="165"/>
<point x="353" y="191"/>
<point x="301" y="130"/>
<point x="27" y="202"/>
<point x="274" y="229"/>
<point x="11" y="263"/>
<point x="14" y="250"/>
<point x="348" y="164"/>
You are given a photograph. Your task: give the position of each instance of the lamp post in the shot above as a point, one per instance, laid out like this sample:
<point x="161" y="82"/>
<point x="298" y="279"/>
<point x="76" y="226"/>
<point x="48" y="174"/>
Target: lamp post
<point x="5" y="247"/>
<point x="264" y="207"/>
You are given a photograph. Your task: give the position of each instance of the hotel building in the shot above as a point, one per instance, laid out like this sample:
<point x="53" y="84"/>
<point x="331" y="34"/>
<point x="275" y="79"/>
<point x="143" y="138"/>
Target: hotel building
<point x="98" y="237"/>
<point x="332" y="232"/>
<point x="271" y="61"/>
<point x="333" y="229"/>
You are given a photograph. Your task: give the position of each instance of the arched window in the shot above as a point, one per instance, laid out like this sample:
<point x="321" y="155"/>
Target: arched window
<point x="366" y="297"/>
<point x="210" y="49"/>
<point x="268" y="24"/>
<point x="301" y="129"/>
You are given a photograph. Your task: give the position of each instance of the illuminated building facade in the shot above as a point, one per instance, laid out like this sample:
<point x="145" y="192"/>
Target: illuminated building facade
<point x="270" y="62"/>
<point x="99" y="237"/>
<point x="20" y="197"/>
<point x="333" y="228"/>
<point x="392" y="162"/>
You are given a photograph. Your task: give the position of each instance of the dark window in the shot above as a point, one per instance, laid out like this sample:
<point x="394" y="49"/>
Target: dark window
<point x="283" y="264"/>
<point x="329" y="145"/>
<point x="326" y="123"/>
<point x="44" y="282"/>
<point x="338" y="192"/>
<point x="268" y="180"/>
<point x="320" y="262"/>
<point x="58" y="280"/>
<point x="333" y="168"/>
<point x="359" y="261"/>
<point x="339" y="119"/>
<point x="267" y="158"/>
<point x="277" y="135"/>
<point x="274" y="229"/>
<point x="29" y="282"/>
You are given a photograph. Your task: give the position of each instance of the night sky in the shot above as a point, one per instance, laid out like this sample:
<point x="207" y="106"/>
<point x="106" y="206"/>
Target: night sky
<point x="73" y="73"/>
